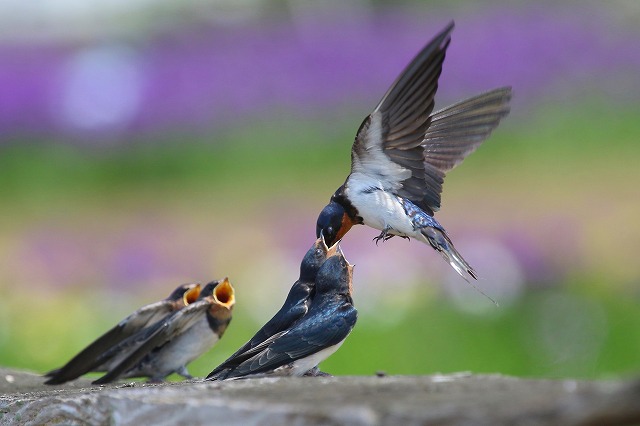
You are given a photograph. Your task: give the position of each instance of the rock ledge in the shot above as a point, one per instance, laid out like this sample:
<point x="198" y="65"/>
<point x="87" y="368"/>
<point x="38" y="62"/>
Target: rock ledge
<point x="453" y="399"/>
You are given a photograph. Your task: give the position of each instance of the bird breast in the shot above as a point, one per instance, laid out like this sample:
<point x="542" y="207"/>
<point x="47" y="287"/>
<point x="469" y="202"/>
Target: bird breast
<point x="378" y="208"/>
<point x="301" y="366"/>
<point x="188" y="346"/>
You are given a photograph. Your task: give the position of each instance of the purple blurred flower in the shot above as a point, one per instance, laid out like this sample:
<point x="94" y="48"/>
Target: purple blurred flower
<point x="203" y="77"/>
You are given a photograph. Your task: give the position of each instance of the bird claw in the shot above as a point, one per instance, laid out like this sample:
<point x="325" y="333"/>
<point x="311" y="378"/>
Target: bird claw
<point x="184" y="373"/>
<point x="384" y="236"/>
<point x="315" y="372"/>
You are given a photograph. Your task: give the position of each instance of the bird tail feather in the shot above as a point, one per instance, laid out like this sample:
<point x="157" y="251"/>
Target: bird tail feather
<point x="441" y="242"/>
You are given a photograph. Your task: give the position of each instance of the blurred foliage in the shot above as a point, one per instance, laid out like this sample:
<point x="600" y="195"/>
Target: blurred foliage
<point x="139" y="154"/>
<point x="593" y="333"/>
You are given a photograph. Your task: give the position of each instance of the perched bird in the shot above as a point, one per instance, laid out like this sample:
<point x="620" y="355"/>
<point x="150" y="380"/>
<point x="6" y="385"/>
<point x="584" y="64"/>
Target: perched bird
<point x="169" y="345"/>
<point x="402" y="152"/>
<point x="300" y="348"/>
<point x="92" y="357"/>
<point x="295" y="306"/>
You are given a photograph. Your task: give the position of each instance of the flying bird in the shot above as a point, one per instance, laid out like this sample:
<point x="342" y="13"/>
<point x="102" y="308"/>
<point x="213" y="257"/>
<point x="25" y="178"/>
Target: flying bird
<point x="295" y="306"/>
<point x="92" y="359"/>
<point x="401" y="154"/>
<point x="317" y="335"/>
<point x="169" y="345"/>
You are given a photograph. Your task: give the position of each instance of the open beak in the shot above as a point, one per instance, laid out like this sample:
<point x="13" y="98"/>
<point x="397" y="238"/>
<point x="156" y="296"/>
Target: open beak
<point x="324" y="243"/>
<point x="331" y="251"/>
<point x="224" y="294"/>
<point x="191" y="295"/>
<point x="345" y="226"/>
<point x="339" y="252"/>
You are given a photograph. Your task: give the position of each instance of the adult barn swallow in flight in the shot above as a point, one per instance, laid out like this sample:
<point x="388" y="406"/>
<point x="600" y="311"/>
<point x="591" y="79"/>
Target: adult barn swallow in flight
<point x="402" y="152"/>
<point x="295" y="306"/>
<point x="169" y="345"/>
<point x="300" y="348"/>
<point x="92" y="357"/>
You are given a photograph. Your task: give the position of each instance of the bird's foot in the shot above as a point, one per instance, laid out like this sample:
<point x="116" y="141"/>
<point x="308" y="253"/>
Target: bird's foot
<point x="184" y="373"/>
<point x="384" y="235"/>
<point x="315" y="372"/>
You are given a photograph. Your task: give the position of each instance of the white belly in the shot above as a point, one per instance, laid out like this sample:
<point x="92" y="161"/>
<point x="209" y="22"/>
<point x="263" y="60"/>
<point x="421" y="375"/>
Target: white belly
<point x="185" y="348"/>
<point x="301" y="366"/>
<point x="191" y="344"/>
<point x="379" y="209"/>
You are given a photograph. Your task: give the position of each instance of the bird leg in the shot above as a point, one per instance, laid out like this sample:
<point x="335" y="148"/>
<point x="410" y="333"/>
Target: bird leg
<point x="315" y="372"/>
<point x="386" y="236"/>
<point x="184" y="373"/>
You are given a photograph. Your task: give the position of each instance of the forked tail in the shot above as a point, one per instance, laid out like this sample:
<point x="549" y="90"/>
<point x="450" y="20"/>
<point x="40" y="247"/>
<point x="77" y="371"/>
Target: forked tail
<point x="441" y="242"/>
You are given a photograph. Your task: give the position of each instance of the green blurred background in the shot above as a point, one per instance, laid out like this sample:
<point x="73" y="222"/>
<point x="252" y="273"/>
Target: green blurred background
<point x="146" y="145"/>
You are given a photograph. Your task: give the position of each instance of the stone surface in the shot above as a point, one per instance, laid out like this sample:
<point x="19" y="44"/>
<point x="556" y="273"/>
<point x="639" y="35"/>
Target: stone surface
<point x="455" y="399"/>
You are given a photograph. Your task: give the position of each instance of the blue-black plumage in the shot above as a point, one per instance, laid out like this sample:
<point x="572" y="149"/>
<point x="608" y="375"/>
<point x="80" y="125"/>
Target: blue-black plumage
<point x="318" y="334"/>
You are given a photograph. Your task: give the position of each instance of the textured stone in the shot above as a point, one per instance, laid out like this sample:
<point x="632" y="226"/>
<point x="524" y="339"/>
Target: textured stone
<point x="454" y="399"/>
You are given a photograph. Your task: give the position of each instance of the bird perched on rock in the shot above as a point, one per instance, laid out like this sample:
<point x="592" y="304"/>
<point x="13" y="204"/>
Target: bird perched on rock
<point x="402" y="152"/>
<point x="295" y="306"/>
<point x="91" y="358"/>
<point x="318" y="334"/>
<point x="169" y="345"/>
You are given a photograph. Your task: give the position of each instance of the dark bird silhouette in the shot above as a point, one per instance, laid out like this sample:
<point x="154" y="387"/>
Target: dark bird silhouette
<point x="300" y="348"/>
<point x="295" y="306"/>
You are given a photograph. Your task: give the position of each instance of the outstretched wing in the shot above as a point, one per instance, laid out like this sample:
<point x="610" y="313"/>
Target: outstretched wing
<point x="311" y="335"/>
<point x="154" y="337"/>
<point x="92" y="356"/>
<point x="388" y="145"/>
<point x="405" y="147"/>
<point x="455" y="132"/>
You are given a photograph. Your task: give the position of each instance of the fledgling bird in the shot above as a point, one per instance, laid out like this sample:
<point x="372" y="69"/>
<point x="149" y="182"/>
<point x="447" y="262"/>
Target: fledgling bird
<point x="295" y="305"/>
<point x="169" y="345"/>
<point x="300" y="348"/>
<point x="92" y="359"/>
<point x="402" y="152"/>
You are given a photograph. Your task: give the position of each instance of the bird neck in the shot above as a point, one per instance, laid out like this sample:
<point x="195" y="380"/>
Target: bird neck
<point x="340" y="198"/>
<point x="219" y="321"/>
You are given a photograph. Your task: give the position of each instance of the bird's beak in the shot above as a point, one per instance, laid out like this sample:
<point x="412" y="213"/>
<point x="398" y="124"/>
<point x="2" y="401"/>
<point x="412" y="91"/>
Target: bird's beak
<point x="334" y="250"/>
<point x="224" y="294"/>
<point x="324" y="243"/>
<point x="191" y="295"/>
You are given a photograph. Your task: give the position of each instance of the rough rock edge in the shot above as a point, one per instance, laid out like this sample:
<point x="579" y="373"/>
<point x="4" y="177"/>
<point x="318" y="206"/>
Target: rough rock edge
<point x="460" y="398"/>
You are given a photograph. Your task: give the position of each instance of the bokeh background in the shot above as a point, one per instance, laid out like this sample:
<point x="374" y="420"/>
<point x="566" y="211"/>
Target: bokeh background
<point x="146" y="144"/>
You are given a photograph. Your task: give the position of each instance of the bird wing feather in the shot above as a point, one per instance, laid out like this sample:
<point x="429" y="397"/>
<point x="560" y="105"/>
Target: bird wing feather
<point x="405" y="147"/>
<point x="143" y="343"/>
<point x="93" y="355"/>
